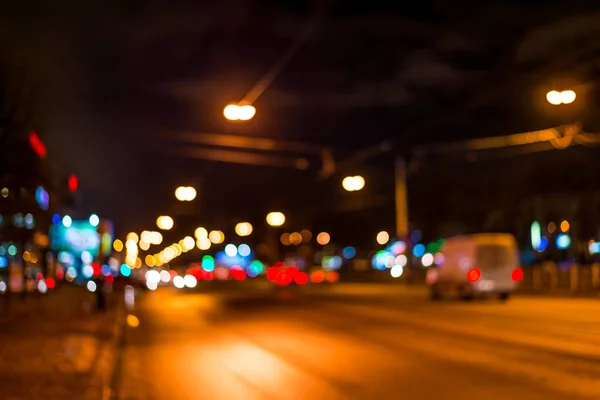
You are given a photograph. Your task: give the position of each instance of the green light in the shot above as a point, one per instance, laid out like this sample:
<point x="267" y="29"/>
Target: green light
<point x="208" y="263"/>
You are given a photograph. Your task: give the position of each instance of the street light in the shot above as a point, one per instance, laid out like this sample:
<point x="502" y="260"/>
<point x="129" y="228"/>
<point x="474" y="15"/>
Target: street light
<point x="235" y="112"/>
<point x="243" y="229"/>
<point x="353" y="183"/>
<point x="556" y="98"/>
<point x="164" y="222"/>
<point x="185" y="193"/>
<point x="275" y="218"/>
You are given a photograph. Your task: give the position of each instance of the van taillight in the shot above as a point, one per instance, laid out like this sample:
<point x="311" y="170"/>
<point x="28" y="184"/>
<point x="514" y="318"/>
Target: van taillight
<point x="517" y="274"/>
<point x="474" y="275"/>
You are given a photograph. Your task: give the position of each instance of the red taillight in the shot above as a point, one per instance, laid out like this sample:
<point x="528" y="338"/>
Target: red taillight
<point x="517" y="274"/>
<point x="474" y="275"/>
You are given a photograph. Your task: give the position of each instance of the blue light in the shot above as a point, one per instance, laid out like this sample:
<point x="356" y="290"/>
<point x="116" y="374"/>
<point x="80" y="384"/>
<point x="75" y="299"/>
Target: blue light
<point x="125" y="270"/>
<point x="349" y="252"/>
<point x="243" y="250"/>
<point x="419" y="250"/>
<point x="106" y="270"/>
<point x="563" y="241"/>
<point x="543" y="244"/>
<point x="56" y="219"/>
<point x="42" y="198"/>
<point x="594" y="247"/>
<point x="3" y="262"/>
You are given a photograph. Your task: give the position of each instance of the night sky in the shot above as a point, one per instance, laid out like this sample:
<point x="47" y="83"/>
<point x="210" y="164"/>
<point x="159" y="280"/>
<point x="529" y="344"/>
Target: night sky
<point x="116" y="79"/>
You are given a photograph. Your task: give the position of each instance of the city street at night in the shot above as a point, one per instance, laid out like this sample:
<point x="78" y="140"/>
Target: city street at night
<point x="382" y="342"/>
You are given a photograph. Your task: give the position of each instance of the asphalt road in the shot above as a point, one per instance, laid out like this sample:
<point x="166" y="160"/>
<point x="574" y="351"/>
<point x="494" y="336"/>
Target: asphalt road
<point x="359" y="342"/>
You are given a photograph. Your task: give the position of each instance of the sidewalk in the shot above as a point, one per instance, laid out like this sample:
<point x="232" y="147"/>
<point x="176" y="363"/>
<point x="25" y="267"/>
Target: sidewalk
<point x="52" y="347"/>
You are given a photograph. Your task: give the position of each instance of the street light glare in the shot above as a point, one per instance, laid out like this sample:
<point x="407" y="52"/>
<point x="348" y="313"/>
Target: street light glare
<point x="568" y="96"/>
<point x="353" y="183"/>
<point x="234" y="112"/>
<point x="164" y="222"/>
<point x="185" y="193"/>
<point x="556" y="98"/>
<point x="275" y="218"/>
<point x="243" y="229"/>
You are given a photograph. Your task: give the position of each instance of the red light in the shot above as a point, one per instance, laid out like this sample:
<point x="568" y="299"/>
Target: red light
<point x="60" y="273"/>
<point x="73" y="183"/>
<point x="291" y="271"/>
<point x="474" y="275"/>
<point x="39" y="276"/>
<point x="97" y="269"/>
<point x="238" y="274"/>
<point x="317" y="276"/>
<point x="109" y="279"/>
<point x="272" y="273"/>
<point x="333" y="276"/>
<point x="50" y="283"/>
<point x="284" y="278"/>
<point x="301" y="278"/>
<point x="517" y="274"/>
<point x="37" y="145"/>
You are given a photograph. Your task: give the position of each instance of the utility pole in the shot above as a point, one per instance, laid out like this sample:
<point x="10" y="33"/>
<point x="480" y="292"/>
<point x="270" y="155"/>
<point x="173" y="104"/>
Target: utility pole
<point x="401" y="197"/>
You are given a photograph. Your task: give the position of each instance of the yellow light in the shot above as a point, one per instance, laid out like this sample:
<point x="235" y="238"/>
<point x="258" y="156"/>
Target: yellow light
<point x="551" y="227"/>
<point x="188" y="243"/>
<point x="567" y="96"/>
<point x="185" y="193"/>
<point x="295" y="238"/>
<point x="275" y="218"/>
<point x="246" y="112"/>
<point x="164" y="222"/>
<point x="26" y="256"/>
<point x="118" y="245"/>
<point x="216" y="237"/>
<point x="150" y="260"/>
<point x="235" y="112"/>
<point x="130" y="245"/>
<point x="178" y="248"/>
<point x="353" y="183"/>
<point x="554" y="97"/>
<point x="383" y="237"/>
<point x="564" y="226"/>
<point x="133" y="236"/>
<point x="323" y="238"/>
<point x="133" y="321"/>
<point x="285" y="239"/>
<point x="200" y="232"/>
<point x="138" y="262"/>
<point x="144" y="245"/>
<point x="243" y="229"/>
<point x="169" y="254"/>
<point x="231" y="112"/>
<point x="203" y="243"/>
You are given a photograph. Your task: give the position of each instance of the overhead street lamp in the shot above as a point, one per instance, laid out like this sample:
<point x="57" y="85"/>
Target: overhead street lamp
<point x="556" y="98"/>
<point x="243" y="229"/>
<point x="185" y="193"/>
<point x="275" y="218"/>
<point x="353" y="183"/>
<point x="164" y="222"/>
<point x="235" y="112"/>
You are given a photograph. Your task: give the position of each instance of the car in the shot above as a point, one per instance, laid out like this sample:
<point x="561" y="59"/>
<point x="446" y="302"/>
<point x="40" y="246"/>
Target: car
<point x="475" y="265"/>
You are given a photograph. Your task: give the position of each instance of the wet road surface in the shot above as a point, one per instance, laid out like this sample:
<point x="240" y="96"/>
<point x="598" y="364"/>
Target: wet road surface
<point x="358" y="342"/>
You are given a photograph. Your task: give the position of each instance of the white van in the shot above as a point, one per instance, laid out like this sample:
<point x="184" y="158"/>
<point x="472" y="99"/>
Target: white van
<point x="477" y="264"/>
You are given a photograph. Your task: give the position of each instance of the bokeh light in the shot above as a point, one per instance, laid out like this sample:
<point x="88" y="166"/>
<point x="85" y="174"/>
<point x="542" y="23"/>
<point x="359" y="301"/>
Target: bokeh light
<point x="323" y="238"/>
<point x="275" y="218"/>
